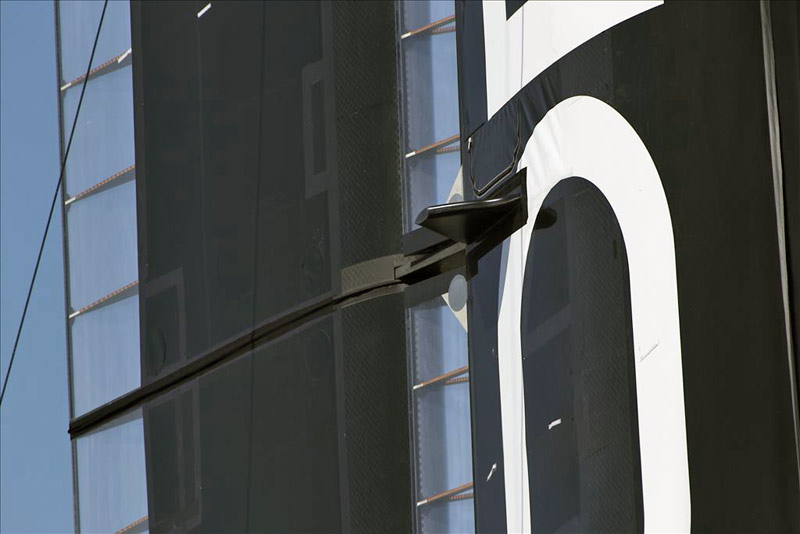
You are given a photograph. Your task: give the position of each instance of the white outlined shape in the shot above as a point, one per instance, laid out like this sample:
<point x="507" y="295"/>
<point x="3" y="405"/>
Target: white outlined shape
<point x="585" y="137"/>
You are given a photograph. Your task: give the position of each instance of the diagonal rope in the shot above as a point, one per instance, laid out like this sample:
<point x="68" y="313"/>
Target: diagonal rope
<point x="52" y="205"/>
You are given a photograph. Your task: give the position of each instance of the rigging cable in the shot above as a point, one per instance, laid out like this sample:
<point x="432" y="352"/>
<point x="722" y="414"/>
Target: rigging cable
<point x="53" y="204"/>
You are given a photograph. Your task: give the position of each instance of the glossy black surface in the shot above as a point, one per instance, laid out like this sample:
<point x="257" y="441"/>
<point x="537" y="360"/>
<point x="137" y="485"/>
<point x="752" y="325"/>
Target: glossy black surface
<point x="466" y="222"/>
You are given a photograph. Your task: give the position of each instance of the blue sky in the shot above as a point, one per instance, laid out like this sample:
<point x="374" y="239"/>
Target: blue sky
<point x="35" y="465"/>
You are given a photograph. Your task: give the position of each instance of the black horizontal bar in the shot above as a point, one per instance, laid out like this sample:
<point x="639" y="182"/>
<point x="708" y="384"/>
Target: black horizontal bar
<point x="223" y="352"/>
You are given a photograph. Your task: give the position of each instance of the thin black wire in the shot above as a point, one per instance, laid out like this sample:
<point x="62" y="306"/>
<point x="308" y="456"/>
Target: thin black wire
<point x="53" y="204"/>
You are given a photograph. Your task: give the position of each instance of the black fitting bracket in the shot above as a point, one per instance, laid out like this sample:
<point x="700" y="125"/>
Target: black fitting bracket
<point x="453" y="232"/>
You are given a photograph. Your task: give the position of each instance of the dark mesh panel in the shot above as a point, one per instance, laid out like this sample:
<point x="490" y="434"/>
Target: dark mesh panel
<point x="376" y="421"/>
<point x="605" y="394"/>
<point x="578" y="365"/>
<point x="294" y="482"/>
<point x="365" y="79"/>
<point x="291" y="175"/>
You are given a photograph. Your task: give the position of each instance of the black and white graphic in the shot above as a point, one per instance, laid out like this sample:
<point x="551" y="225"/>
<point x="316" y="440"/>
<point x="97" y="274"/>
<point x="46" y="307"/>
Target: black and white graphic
<point x="654" y="394"/>
<point x="592" y="139"/>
